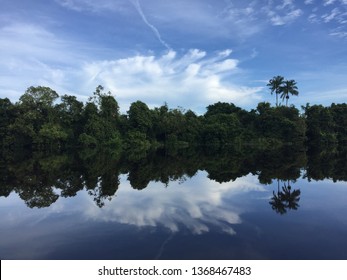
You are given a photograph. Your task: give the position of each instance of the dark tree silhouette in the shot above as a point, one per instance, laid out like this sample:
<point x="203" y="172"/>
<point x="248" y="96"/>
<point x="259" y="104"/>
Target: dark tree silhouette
<point x="275" y="85"/>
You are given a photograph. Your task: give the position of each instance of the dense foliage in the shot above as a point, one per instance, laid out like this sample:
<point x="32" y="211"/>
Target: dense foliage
<point x="41" y="120"/>
<point x="162" y="144"/>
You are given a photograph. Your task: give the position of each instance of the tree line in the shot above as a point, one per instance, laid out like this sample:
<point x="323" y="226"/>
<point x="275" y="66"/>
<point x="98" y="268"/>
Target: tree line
<point x="43" y="120"/>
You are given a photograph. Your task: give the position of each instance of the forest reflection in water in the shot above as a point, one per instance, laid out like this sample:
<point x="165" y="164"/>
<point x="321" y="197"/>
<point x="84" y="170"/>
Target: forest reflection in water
<point x="200" y="193"/>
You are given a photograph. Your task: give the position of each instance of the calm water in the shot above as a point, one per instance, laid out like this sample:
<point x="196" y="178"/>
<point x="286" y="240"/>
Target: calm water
<point x="176" y="217"/>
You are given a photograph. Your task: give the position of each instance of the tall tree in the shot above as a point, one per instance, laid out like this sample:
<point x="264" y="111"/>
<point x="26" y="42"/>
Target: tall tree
<point x="5" y="118"/>
<point x="275" y="85"/>
<point x="70" y="112"/>
<point x="288" y="87"/>
<point x="140" y="117"/>
<point x="35" y="108"/>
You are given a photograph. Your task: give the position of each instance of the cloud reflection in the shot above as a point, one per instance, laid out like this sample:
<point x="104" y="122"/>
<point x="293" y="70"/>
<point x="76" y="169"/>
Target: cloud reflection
<point x="197" y="205"/>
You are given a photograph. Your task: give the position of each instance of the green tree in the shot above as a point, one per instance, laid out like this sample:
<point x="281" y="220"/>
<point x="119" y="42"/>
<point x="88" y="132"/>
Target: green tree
<point x="221" y="129"/>
<point x="280" y="124"/>
<point x="275" y="85"/>
<point x="321" y="127"/>
<point x="34" y="109"/>
<point x="140" y="117"/>
<point x="70" y="112"/>
<point x="339" y="113"/>
<point x="288" y="87"/>
<point x="221" y="108"/>
<point x="39" y="97"/>
<point x="93" y="129"/>
<point x="100" y="121"/>
<point x="6" y="118"/>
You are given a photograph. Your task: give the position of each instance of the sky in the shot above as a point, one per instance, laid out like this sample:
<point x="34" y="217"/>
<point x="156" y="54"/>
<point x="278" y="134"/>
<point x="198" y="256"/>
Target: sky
<point x="186" y="53"/>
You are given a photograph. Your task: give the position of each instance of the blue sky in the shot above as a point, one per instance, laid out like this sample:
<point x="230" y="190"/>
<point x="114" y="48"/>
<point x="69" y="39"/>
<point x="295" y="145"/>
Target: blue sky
<point x="188" y="53"/>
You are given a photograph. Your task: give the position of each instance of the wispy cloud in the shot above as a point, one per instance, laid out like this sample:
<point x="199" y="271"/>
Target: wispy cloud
<point x="332" y="15"/>
<point x="93" y="6"/>
<point x="277" y="19"/>
<point x="243" y="18"/>
<point x="282" y="14"/>
<point x="338" y="32"/>
<point x="312" y="18"/>
<point x="308" y="2"/>
<point x="259" y="15"/>
<point x="31" y="55"/>
<point x="285" y="4"/>
<point x="328" y="2"/>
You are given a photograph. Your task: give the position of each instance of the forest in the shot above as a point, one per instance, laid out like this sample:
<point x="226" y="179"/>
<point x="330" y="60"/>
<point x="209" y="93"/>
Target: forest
<point x="44" y="121"/>
<point x="50" y="140"/>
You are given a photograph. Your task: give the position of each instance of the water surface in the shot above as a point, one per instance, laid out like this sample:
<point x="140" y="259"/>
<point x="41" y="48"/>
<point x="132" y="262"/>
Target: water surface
<point x="187" y="215"/>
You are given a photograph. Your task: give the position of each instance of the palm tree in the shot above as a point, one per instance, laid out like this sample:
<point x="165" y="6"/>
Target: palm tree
<point x="291" y="198"/>
<point x="277" y="203"/>
<point x="275" y="85"/>
<point x="288" y="87"/>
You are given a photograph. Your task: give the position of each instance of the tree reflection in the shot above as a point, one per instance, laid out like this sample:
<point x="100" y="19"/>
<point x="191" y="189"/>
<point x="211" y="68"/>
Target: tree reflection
<point x="285" y="199"/>
<point x="40" y="179"/>
<point x="327" y="162"/>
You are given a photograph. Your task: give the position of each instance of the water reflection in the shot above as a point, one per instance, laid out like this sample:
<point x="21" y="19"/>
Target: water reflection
<point x="285" y="199"/>
<point x="40" y="179"/>
<point x="215" y="206"/>
<point x="196" y="205"/>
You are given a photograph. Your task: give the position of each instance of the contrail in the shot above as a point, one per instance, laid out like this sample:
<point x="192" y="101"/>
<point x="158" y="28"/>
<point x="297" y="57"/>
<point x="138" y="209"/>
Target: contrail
<point x="161" y="249"/>
<point x="137" y="5"/>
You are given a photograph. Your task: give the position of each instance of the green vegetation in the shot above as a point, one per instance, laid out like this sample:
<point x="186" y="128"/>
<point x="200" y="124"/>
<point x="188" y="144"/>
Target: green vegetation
<point x="42" y="121"/>
<point x="51" y="143"/>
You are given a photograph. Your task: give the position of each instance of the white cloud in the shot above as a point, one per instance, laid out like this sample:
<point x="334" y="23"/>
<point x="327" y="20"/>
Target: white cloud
<point x="282" y="14"/>
<point x="94" y="6"/>
<point x="313" y="18"/>
<point x="328" y="2"/>
<point x="336" y="17"/>
<point x="277" y="19"/>
<point x="244" y="20"/>
<point x="30" y="55"/>
<point x="340" y="34"/>
<point x="308" y="2"/>
<point x="333" y="14"/>
<point x="285" y="4"/>
<point x="193" y="80"/>
<point x="225" y="53"/>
